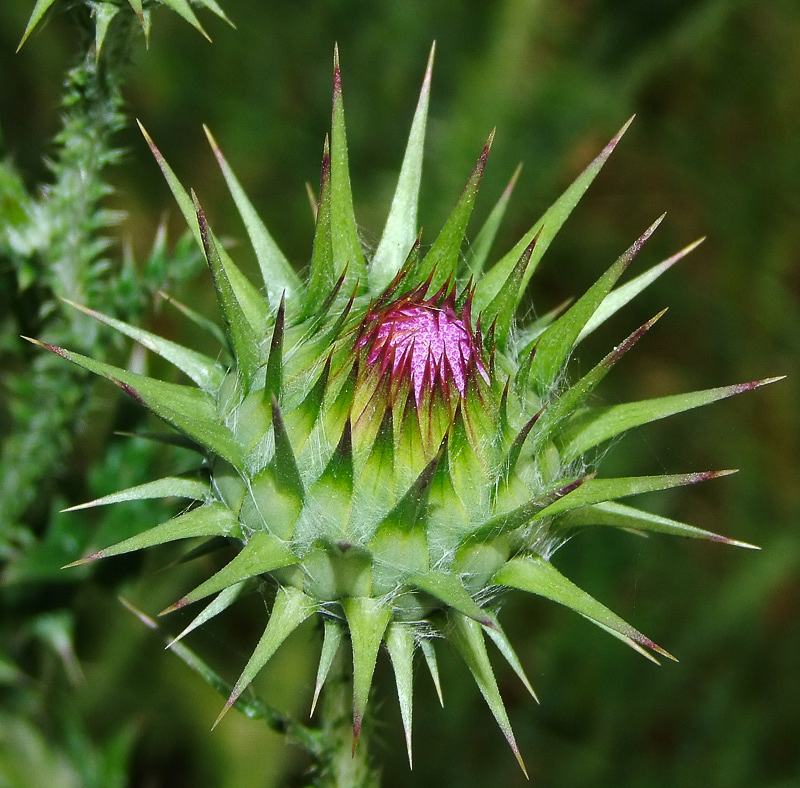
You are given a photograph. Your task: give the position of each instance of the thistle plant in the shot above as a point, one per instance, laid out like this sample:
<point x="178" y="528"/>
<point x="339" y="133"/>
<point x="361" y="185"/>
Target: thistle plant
<point x="386" y="443"/>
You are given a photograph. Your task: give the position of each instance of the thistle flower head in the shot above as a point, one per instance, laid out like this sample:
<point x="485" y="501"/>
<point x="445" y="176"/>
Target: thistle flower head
<point x="426" y="342"/>
<point x="378" y="461"/>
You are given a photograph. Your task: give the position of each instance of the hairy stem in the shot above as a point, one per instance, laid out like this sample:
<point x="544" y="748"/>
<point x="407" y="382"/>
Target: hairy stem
<point x="342" y="766"/>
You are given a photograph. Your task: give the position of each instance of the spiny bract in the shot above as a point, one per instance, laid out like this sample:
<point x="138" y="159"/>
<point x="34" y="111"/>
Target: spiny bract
<point x="387" y="446"/>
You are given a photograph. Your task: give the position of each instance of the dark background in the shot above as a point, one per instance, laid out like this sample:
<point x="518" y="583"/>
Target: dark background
<point x="716" y="143"/>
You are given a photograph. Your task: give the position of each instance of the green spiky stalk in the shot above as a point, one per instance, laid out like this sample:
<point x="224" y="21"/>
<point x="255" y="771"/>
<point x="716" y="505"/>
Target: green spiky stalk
<point x="383" y="462"/>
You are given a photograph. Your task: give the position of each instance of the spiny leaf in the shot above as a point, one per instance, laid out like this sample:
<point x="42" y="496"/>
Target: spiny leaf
<point x="252" y="302"/>
<point x="333" y="634"/>
<point x="506" y="649"/>
<point x="400" y="643"/>
<point x="263" y="553"/>
<point x="481" y="246"/>
<point x="537" y="576"/>
<point x="406" y="513"/>
<point x="367" y="619"/>
<point x="504" y="305"/>
<point x="618" y="515"/>
<point x="292" y="607"/>
<point x="344" y="233"/>
<point x="562" y="408"/>
<point x="201" y="321"/>
<point x="284" y="462"/>
<point x="103" y="13"/>
<point x="447" y="588"/>
<point x="213" y="6"/>
<point x="619" y="297"/>
<point x="601" y="490"/>
<point x="401" y="224"/>
<point x="442" y="259"/>
<point x="240" y="332"/>
<point x="555" y="344"/>
<point x="168" y="487"/>
<point x="169" y="401"/>
<point x="433" y="667"/>
<point x="323" y="265"/>
<point x="249" y="704"/>
<point x="222" y="602"/>
<point x="589" y="428"/>
<point x="508" y="521"/>
<point x="183" y="8"/>
<point x="279" y="277"/>
<point x="39" y="10"/>
<point x="466" y="636"/>
<point x="204" y="371"/>
<point x="548" y="225"/>
<point x="273" y="382"/>
<point x="213" y="519"/>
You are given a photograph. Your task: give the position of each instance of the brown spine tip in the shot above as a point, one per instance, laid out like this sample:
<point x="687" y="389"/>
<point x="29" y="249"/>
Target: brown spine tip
<point x="357" y="721"/>
<point x="337" y="74"/>
<point x="86" y="560"/>
<point x="182" y="602"/>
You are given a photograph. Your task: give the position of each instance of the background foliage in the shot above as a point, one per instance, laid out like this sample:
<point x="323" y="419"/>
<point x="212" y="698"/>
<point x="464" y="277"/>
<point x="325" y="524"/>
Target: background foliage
<point x="88" y="697"/>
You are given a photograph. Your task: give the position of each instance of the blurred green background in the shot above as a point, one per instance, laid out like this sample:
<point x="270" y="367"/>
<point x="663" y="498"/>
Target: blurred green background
<point x="716" y="143"/>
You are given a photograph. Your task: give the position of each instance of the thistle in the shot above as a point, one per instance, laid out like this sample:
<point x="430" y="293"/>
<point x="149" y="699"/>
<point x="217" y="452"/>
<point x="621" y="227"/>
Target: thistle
<point x="386" y="445"/>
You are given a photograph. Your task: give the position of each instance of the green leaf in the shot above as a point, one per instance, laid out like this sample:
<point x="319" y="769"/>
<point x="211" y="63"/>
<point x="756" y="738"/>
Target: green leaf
<point x="617" y="515"/>
<point x="200" y="321"/>
<point x="400" y="643"/>
<point x="508" y="521"/>
<point x="558" y="411"/>
<point x="555" y="344"/>
<point x="548" y="225"/>
<point x="322" y="277"/>
<point x="601" y="490"/>
<point x="442" y="258"/>
<point x="213" y="6"/>
<point x="344" y="233"/>
<point x="239" y="330"/>
<point x="367" y="619"/>
<point x="466" y="636"/>
<point x="401" y="224"/>
<point x="622" y="295"/>
<point x="252" y="302"/>
<point x="169" y="401"/>
<point x="263" y="553"/>
<point x="433" y="667"/>
<point x="278" y="275"/>
<point x="537" y="576"/>
<point x="39" y="10"/>
<point x="103" y="14"/>
<point x="448" y="588"/>
<point x="334" y="632"/>
<point x="482" y="245"/>
<point x="168" y="487"/>
<point x="273" y="381"/>
<point x="591" y="427"/>
<point x="203" y="370"/>
<point x="222" y="602"/>
<point x="213" y="519"/>
<point x="292" y="607"/>
<point x="248" y="703"/>
<point x="183" y="8"/>
<point x="284" y="462"/>
<point x="504" y="305"/>
<point x="506" y="649"/>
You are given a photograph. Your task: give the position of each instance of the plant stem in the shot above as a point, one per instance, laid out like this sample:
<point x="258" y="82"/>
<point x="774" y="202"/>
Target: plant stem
<point x="342" y="765"/>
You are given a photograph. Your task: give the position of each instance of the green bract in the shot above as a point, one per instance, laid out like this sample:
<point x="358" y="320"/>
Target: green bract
<point x="104" y="12"/>
<point x="389" y="448"/>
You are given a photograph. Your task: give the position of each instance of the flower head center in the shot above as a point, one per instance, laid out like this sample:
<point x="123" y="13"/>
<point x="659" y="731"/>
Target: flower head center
<point x="428" y="344"/>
